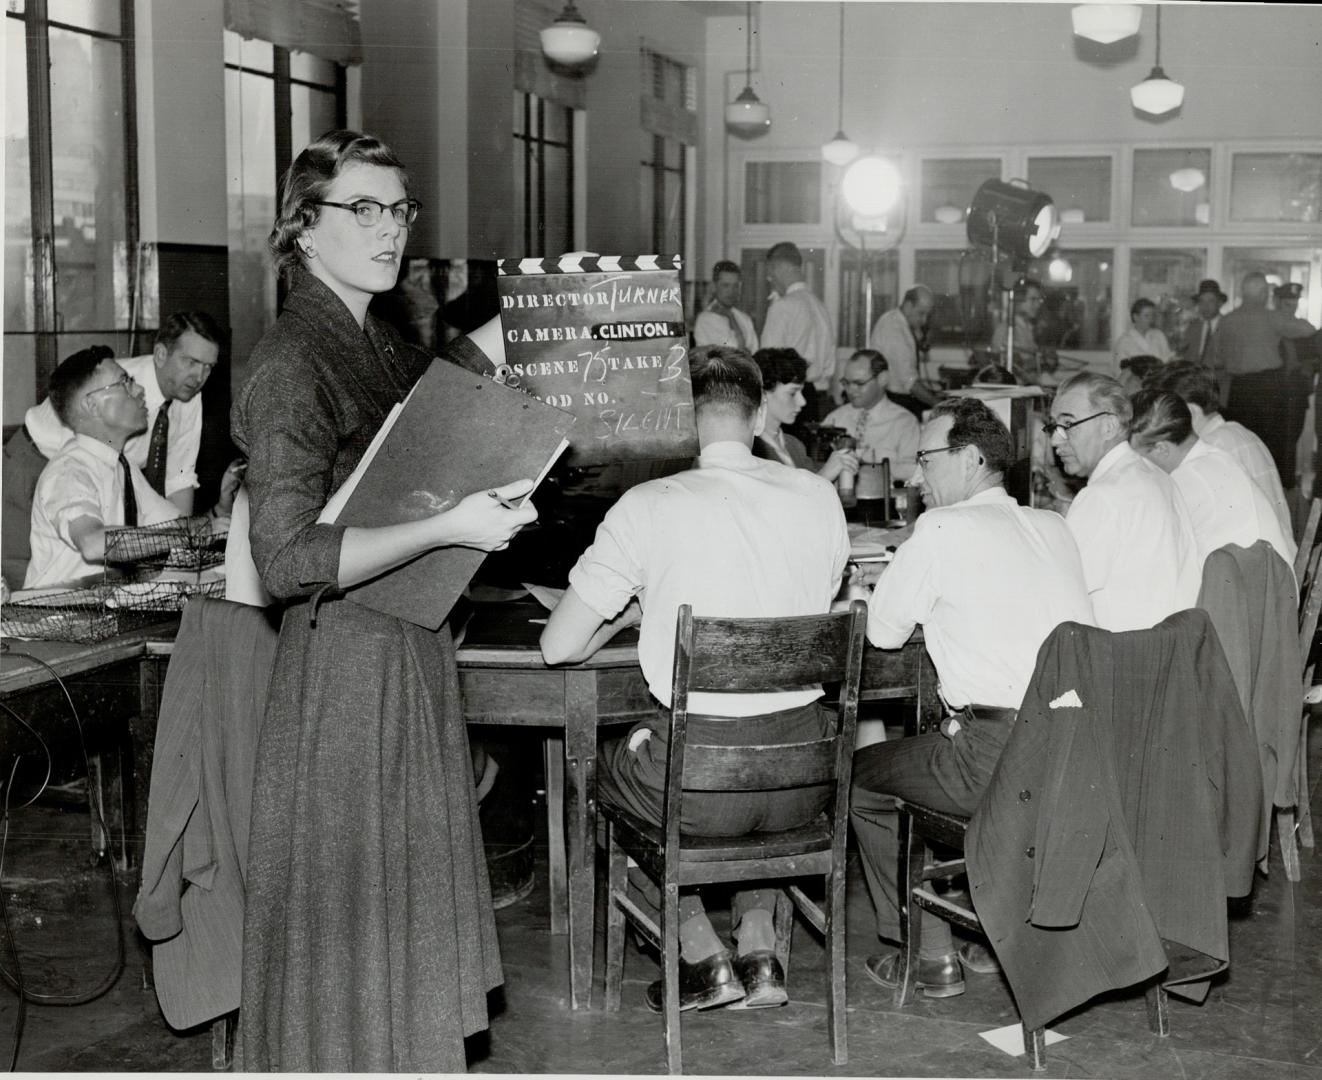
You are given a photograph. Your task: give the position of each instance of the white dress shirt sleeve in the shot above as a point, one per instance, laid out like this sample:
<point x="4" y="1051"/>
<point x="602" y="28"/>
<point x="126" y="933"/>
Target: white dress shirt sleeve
<point x="777" y="331"/>
<point x="1090" y="518"/>
<point x="908" y="590"/>
<point x="892" y="338"/>
<point x="610" y="572"/>
<point x="711" y="329"/>
<point x="68" y="491"/>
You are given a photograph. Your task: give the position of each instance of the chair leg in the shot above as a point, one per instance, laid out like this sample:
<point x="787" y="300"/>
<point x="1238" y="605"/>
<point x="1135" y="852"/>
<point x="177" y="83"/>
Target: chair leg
<point x="1289" y="841"/>
<point x="836" y="1013"/>
<point x="222" y="1042"/>
<point x="784" y="923"/>
<point x="1304" y="807"/>
<point x="1035" y="1042"/>
<point x="1158" y="1010"/>
<point x="912" y="857"/>
<point x="670" y="975"/>
<point x="617" y="884"/>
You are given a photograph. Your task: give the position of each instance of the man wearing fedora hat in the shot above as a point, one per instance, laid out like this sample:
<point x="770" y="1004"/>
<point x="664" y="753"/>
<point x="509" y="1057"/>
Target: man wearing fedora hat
<point x="1197" y="346"/>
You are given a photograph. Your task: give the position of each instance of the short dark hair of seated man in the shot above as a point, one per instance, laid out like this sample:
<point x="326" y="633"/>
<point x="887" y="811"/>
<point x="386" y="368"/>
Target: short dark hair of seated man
<point x="988" y="580"/>
<point x="996" y="375"/>
<point x="1195" y="383"/>
<point x="736" y="537"/>
<point x="82" y="490"/>
<point x="1136" y="372"/>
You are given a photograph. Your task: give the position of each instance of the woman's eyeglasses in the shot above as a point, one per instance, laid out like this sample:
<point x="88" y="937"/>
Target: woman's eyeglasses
<point x="367" y="212"/>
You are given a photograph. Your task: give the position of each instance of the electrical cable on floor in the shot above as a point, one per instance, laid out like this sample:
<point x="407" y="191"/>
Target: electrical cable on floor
<point x="94" y="810"/>
<point x="4" y="910"/>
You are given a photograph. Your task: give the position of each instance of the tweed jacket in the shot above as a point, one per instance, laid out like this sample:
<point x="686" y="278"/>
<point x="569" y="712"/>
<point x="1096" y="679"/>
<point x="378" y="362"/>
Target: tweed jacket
<point x="1122" y="814"/>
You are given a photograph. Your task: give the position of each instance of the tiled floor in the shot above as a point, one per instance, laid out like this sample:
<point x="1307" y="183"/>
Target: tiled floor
<point x="1264" y="1019"/>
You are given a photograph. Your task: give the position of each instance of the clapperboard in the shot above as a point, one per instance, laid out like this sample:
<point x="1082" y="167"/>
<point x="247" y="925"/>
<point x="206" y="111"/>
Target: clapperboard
<point x="603" y="337"/>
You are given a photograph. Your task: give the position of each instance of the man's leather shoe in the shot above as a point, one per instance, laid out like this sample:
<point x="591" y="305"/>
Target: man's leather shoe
<point x="702" y="985"/>
<point x="941" y="978"/>
<point x="763" y="979"/>
<point x="974" y="956"/>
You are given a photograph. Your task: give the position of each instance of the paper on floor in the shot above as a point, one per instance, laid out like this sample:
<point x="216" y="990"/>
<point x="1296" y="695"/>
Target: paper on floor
<point x="1011" y="1039"/>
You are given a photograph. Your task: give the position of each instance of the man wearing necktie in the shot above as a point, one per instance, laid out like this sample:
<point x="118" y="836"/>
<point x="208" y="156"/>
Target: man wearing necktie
<point x="90" y="486"/>
<point x="1197" y="348"/>
<point x="171" y="376"/>
<point x="721" y="322"/>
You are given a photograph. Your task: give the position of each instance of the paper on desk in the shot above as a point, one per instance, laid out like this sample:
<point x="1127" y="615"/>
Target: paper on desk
<point x="1011" y="1038"/>
<point x="545" y="595"/>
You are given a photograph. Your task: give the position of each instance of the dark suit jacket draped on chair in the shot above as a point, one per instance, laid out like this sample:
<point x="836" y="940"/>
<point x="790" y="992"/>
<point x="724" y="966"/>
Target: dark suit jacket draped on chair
<point x="1119" y="818"/>
<point x="1250" y="595"/>
<point x="191" y="901"/>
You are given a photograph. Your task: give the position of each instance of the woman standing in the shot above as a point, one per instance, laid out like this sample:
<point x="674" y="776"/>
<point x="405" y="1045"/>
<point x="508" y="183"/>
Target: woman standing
<point x="369" y="942"/>
<point x="783" y="373"/>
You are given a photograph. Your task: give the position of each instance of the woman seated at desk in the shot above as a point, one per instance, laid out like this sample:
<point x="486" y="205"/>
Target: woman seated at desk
<point x="783" y="373"/>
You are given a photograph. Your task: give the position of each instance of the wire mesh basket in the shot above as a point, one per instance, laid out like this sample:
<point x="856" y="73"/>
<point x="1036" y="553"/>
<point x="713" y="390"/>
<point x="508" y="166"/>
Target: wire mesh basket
<point x="184" y="544"/>
<point x="73" y="615"/>
<point x="132" y="598"/>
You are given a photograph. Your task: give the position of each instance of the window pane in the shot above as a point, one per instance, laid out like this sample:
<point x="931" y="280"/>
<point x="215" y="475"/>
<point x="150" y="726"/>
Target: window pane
<point x="556" y="234"/>
<point x="20" y="375"/>
<point x="782" y="192"/>
<point x="1172" y="187"/>
<point x="18" y="200"/>
<point x="1077" y="185"/>
<point x="102" y="15"/>
<point x="312" y="113"/>
<point x="949" y="185"/>
<point x="249" y="53"/>
<point x="1276" y="187"/>
<point x="853" y="328"/>
<point x="311" y="68"/>
<point x="1281" y="265"/>
<point x="17" y="7"/>
<point x="1167" y="277"/>
<point x="755" y="289"/>
<point x="87" y="150"/>
<point x="959" y="283"/>
<point x="556" y="120"/>
<point x="1076" y="290"/>
<point x="250" y="188"/>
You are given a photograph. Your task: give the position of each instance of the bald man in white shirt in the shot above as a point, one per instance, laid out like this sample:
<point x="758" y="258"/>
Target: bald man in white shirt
<point x="1140" y="558"/>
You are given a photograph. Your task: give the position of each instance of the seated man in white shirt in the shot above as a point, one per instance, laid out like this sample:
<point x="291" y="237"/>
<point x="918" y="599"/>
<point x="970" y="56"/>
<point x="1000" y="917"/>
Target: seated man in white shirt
<point x="988" y="580"/>
<point x="721" y="322"/>
<point x="1196" y="385"/>
<point x="1225" y="506"/>
<point x="881" y="429"/>
<point x="1140" y="559"/>
<point x="90" y="486"/>
<point x="740" y="537"/>
<point x="171" y="377"/>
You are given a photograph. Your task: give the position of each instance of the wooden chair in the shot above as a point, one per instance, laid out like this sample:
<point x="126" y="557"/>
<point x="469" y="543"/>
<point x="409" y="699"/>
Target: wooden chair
<point x="922" y="828"/>
<point x="1294" y="825"/>
<point x="1307" y="542"/>
<point x="745" y="655"/>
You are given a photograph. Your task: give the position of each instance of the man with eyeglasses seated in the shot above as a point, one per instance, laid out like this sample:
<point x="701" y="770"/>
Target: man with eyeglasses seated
<point x="988" y="580"/>
<point x="89" y="486"/>
<point x="881" y="428"/>
<point x="1140" y="559"/>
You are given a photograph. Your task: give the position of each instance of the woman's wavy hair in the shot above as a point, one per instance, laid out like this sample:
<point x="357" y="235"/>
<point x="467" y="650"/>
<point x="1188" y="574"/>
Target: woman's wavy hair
<point x="310" y="177"/>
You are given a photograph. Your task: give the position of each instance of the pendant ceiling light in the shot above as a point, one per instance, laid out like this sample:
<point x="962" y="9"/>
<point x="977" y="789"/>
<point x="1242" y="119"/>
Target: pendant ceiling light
<point x="570" y="40"/>
<point x="1157" y="95"/>
<point x="746" y="116"/>
<point x="1106" y="23"/>
<point x="1188" y="179"/>
<point x="841" y="150"/>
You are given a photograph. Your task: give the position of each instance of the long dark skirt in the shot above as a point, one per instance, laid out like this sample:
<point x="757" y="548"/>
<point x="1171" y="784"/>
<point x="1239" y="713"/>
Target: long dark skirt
<point x="369" y="942"/>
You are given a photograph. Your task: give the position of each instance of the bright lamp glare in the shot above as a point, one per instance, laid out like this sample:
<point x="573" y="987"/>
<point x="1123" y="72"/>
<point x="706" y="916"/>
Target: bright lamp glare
<point x="871" y="186"/>
<point x="1046" y="227"/>
<point x="1060" y="270"/>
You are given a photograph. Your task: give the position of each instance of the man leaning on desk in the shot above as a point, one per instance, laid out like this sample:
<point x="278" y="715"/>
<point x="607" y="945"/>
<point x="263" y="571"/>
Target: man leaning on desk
<point x="90" y="486"/>
<point x="737" y="536"/>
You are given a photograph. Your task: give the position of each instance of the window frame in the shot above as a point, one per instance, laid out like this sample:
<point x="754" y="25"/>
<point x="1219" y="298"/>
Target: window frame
<point x="523" y="146"/>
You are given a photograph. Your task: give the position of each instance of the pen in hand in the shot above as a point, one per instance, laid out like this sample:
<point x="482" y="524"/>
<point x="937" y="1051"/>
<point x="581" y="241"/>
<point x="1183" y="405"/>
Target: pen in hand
<point x="502" y="500"/>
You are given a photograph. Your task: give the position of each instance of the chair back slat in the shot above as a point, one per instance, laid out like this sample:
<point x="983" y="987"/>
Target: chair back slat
<point x="759" y="655"/>
<point x="1304" y="556"/>
<point x="1310" y="606"/>
<point x="759" y="768"/>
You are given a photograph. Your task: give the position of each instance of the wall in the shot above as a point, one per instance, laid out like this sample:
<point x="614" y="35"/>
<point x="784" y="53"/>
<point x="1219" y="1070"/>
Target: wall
<point x="931" y="74"/>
